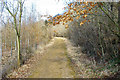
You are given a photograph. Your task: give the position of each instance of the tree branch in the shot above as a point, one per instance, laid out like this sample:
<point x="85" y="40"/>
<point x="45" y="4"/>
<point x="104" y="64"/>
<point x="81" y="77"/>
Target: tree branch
<point x="17" y="9"/>
<point x="8" y="9"/>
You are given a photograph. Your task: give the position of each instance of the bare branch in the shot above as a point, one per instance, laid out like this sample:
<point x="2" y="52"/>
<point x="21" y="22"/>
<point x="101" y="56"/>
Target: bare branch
<point x="6" y="6"/>
<point x="17" y="9"/>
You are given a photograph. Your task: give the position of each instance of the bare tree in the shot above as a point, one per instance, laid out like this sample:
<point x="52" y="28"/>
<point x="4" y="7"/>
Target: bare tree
<point x="17" y="26"/>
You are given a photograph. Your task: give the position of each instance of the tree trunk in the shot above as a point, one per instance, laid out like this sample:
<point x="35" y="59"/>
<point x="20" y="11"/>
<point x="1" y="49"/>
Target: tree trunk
<point x="119" y="13"/>
<point x="18" y="35"/>
<point x="119" y="24"/>
<point x="18" y="30"/>
<point x="18" y="42"/>
<point x="0" y="55"/>
<point x="18" y="46"/>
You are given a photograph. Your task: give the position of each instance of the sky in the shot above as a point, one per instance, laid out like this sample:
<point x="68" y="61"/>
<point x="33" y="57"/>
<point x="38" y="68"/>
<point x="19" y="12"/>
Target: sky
<point x="50" y="7"/>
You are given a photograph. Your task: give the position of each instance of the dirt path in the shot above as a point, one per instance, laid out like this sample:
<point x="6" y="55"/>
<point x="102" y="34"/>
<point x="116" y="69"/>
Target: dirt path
<point x="54" y="63"/>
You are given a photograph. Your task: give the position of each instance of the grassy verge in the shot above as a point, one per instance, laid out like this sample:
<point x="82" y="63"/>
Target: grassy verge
<point x="86" y="67"/>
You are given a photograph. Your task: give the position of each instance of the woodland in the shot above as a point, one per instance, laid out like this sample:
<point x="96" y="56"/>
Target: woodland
<point x="89" y="30"/>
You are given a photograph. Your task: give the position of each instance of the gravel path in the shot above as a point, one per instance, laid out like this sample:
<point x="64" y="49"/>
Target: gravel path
<point x="54" y="63"/>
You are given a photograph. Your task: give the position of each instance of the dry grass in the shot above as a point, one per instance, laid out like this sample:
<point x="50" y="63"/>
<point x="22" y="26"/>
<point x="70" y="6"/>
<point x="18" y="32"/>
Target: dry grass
<point x="84" y="66"/>
<point x="25" y="70"/>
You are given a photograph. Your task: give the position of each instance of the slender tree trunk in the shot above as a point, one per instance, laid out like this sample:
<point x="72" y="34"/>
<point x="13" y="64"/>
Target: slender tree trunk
<point x="0" y="55"/>
<point x="11" y="48"/>
<point x="18" y="46"/>
<point x="119" y="24"/>
<point x="18" y="42"/>
<point x="101" y="40"/>
<point x="119" y="13"/>
<point x="15" y="45"/>
<point x="18" y="38"/>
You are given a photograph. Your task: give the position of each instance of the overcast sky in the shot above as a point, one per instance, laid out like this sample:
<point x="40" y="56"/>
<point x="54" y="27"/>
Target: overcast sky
<point x="51" y="7"/>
